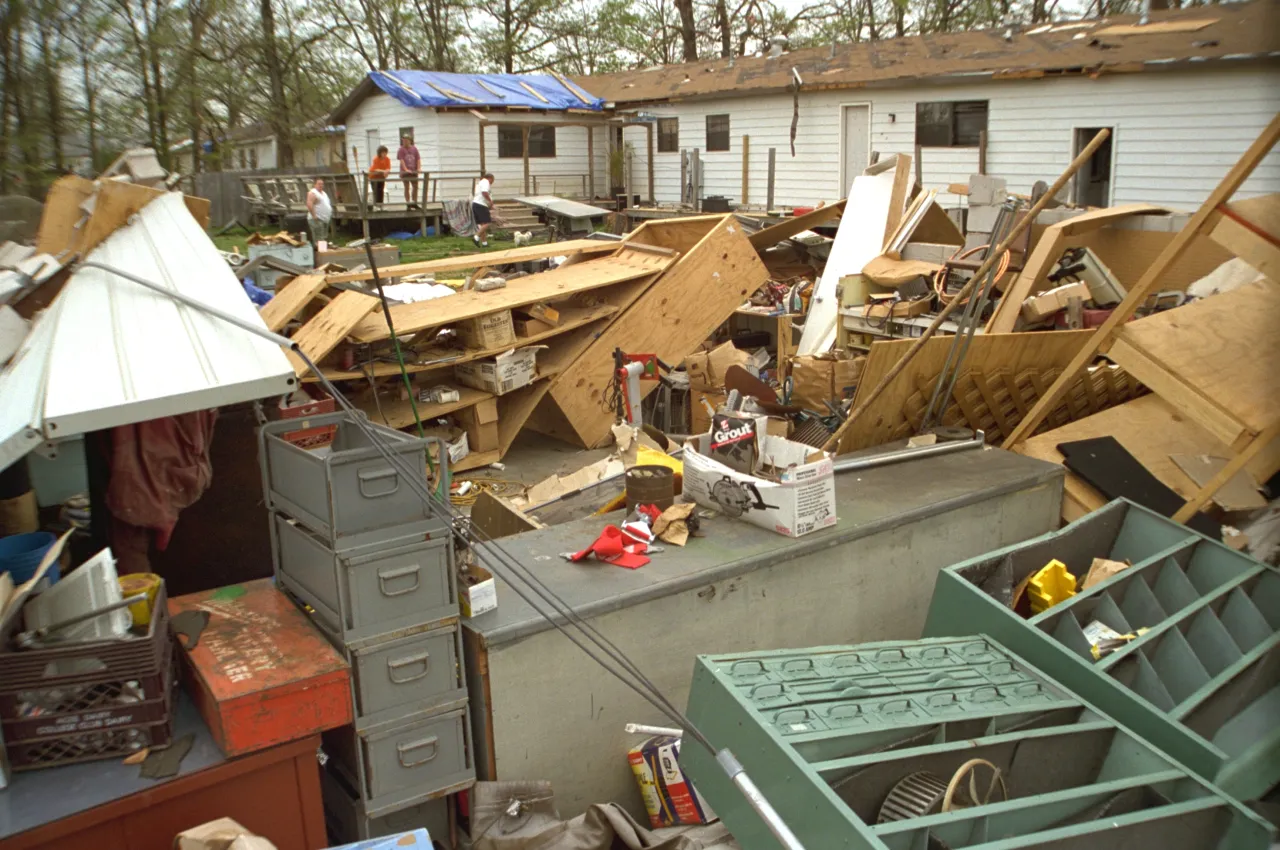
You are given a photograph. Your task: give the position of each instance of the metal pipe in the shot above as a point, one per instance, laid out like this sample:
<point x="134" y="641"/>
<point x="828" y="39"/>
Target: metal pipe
<point x="757" y="801"/>
<point x="870" y="462"/>
<point x="646" y="729"/>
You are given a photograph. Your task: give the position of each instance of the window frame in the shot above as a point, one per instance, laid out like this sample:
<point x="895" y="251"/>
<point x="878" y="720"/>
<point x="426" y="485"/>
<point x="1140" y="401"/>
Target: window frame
<point x="727" y="131"/>
<point x="671" y="133"/>
<point x="945" y="132"/>
<point x="506" y="151"/>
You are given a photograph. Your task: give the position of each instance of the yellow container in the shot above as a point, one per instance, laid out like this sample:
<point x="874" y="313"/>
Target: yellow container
<point x="132" y="585"/>
<point x="1051" y="585"/>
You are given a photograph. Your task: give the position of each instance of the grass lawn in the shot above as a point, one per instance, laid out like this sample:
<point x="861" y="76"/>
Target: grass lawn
<point x="411" y="250"/>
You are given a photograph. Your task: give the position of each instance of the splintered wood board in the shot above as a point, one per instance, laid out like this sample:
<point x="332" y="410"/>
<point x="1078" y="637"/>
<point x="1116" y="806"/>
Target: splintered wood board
<point x="1245" y="241"/>
<point x="115" y="202"/>
<point x="62" y="213"/>
<point x="545" y="286"/>
<point x="396" y="412"/>
<point x="330" y="326"/>
<point x="290" y="299"/>
<point x="1217" y="360"/>
<point x="1014" y="352"/>
<point x="1151" y="430"/>
<point x="788" y="227"/>
<point x="680" y="310"/>
<point x="1157" y="28"/>
<point x="676" y="234"/>
<point x="486" y="258"/>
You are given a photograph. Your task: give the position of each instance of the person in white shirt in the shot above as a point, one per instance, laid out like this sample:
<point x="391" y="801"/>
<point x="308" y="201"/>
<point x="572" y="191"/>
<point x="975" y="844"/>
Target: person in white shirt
<point x="481" y="210"/>
<point x="319" y="212"/>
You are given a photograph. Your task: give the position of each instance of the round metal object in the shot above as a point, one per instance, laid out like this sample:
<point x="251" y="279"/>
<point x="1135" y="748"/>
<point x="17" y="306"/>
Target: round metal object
<point x="650" y="485"/>
<point x="951" y="433"/>
<point x="915" y="795"/>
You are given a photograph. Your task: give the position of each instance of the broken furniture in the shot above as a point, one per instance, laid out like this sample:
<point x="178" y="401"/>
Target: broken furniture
<point x="1201" y="679"/>
<point x="354" y="543"/>
<point x="955" y="742"/>
<point x="735" y="587"/>
<point x="563" y="217"/>
<point x="274" y="792"/>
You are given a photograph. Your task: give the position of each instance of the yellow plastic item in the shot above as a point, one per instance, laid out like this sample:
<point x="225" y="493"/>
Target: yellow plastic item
<point x="1051" y="585"/>
<point x="132" y="585"/>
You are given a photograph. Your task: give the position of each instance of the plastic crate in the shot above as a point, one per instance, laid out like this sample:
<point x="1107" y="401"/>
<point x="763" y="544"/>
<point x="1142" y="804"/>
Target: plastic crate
<point x="854" y="745"/>
<point x="88" y="700"/>
<point x="318" y="402"/>
<point x="1201" y="681"/>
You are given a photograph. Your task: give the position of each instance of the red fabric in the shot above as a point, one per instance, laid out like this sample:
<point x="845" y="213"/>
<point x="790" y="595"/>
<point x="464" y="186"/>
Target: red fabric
<point x="613" y="547"/>
<point x="157" y="469"/>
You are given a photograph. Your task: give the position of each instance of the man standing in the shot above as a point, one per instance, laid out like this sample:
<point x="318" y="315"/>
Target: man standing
<point x="482" y="210"/>
<point x="409" y="163"/>
<point x="319" y="212"/>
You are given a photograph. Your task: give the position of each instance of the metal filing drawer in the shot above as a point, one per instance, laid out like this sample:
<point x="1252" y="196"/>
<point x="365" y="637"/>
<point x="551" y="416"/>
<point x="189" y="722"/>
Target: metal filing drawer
<point x="345" y="817"/>
<point x="347" y="492"/>
<point x="369" y="591"/>
<point x="422" y="670"/>
<point x="395" y="764"/>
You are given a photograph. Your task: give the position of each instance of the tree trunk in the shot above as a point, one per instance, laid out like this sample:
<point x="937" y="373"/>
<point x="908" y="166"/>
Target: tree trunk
<point x="198" y="17"/>
<point x="873" y="32"/>
<point x="8" y="91"/>
<point x="52" y="92"/>
<point x="508" y="47"/>
<point x="90" y="110"/>
<point x="280" y="122"/>
<point x="688" y="30"/>
<point x="722" y="20"/>
<point x="899" y="18"/>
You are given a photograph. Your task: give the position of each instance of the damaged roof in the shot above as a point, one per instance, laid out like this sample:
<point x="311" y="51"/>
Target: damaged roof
<point x="1115" y="45"/>
<point x="434" y="89"/>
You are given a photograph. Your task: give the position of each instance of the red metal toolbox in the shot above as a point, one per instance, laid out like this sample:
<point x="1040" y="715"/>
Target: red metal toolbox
<point x="261" y="673"/>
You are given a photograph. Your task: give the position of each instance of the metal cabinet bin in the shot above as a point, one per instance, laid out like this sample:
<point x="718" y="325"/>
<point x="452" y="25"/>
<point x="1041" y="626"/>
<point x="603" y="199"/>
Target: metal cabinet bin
<point x="370" y="591"/>
<point x="1202" y="679"/>
<point x="421" y="671"/>
<point x="400" y="762"/>
<point x="346" y="492"/>
<point x="864" y="747"/>
<point x="345" y="818"/>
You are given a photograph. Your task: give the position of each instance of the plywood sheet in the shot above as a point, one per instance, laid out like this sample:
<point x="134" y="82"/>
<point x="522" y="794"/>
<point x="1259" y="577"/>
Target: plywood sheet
<point x="115" y="202"/>
<point x="61" y="214"/>
<point x="785" y="229"/>
<point x="1225" y="348"/>
<point x="680" y="310"/>
<point x="290" y="299"/>
<point x="1250" y="229"/>
<point x="330" y="326"/>
<point x="1157" y="27"/>
<point x="1240" y="493"/>
<point x="675" y="234"/>
<point x="546" y="286"/>
<point x="488" y="258"/>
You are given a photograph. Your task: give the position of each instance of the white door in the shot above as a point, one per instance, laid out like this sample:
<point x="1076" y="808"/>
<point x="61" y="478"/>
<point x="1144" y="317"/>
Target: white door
<point x="371" y="142"/>
<point x="855" y="143"/>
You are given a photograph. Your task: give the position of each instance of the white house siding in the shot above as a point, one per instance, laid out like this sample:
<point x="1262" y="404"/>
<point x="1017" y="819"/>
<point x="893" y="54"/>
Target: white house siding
<point x="1177" y="134"/>
<point x="449" y="144"/>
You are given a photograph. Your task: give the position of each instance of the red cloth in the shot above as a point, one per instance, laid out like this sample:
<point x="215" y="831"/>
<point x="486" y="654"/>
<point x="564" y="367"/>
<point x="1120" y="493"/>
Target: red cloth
<point x="158" y="468"/>
<point x="614" y="547"/>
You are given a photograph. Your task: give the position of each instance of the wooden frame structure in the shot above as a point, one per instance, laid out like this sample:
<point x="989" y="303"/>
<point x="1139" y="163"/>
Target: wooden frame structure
<point x="1229" y="384"/>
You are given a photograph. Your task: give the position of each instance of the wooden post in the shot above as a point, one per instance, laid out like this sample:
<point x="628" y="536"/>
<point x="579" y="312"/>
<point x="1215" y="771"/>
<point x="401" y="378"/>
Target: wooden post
<point x="919" y="167"/>
<point x="746" y="169"/>
<point x="773" y="160"/>
<point x="653" y="197"/>
<point x="364" y="205"/>
<point x="684" y="173"/>
<point x="982" y="151"/>
<point x="482" y="168"/>
<point x="591" y="163"/>
<point x="524" y="151"/>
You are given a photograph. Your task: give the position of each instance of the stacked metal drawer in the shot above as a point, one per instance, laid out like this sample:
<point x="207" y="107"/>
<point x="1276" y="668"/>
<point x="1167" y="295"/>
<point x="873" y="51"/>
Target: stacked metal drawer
<point x="894" y="746"/>
<point x="355" y="545"/>
<point x="1202" y="679"/>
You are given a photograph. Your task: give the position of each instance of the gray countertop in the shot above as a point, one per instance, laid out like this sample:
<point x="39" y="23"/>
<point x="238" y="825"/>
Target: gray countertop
<point x="868" y="501"/>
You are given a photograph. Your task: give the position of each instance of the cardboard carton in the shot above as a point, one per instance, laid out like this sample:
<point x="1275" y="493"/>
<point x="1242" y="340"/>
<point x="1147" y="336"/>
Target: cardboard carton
<point x="816" y="379"/>
<point x="477" y="591"/>
<point x="220" y="834"/>
<point x="706" y="369"/>
<point x="492" y="331"/>
<point x="502" y="374"/>
<point x="1037" y="308"/>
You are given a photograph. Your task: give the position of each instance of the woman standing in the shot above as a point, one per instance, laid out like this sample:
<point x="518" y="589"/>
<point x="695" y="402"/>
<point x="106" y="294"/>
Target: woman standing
<point x="378" y="173"/>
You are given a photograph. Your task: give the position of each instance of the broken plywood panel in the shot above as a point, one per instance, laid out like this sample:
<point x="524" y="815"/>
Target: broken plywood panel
<point x="290" y="299"/>
<point x="476" y="260"/>
<point x="116" y="202"/>
<point x="785" y="229"/>
<point x="1250" y="229"/>
<point x="686" y="304"/>
<point x="62" y="213"/>
<point x="1240" y="493"/>
<point x="330" y="326"/>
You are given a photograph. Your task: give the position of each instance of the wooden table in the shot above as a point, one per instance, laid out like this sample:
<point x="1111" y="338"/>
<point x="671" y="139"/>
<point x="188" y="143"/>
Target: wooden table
<point x="107" y="806"/>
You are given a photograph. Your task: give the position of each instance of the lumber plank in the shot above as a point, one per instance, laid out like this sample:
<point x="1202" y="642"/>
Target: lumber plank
<point x="680" y="310"/>
<point x="1012" y="353"/>
<point x="290" y="299"/>
<point x="398" y="413"/>
<point x="1223" y="351"/>
<point x="785" y="229"/>
<point x="1250" y="229"/>
<point x="902" y="182"/>
<point x="330" y="326"/>
<point x="62" y="213"/>
<point x="1157" y="28"/>
<point x="674" y="234"/>
<point x="488" y="258"/>
<point x="116" y="201"/>
<point x="546" y="286"/>
<point x="1203" y="218"/>
<point x="1261" y="443"/>
<point x="1047" y="251"/>
<point x="495" y="517"/>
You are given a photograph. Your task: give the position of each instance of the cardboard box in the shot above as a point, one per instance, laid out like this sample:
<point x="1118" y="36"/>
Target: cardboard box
<point x="480" y="421"/>
<point x="800" y="499"/>
<point x="492" y="331"/>
<point x="502" y="374"/>
<point x="823" y="377"/>
<point x="477" y="591"/>
<point x="455" y="440"/>
<point x="1037" y="308"/>
<point x="706" y="369"/>
<point x="220" y="834"/>
<point x="527" y="325"/>
<point x="700" y="419"/>
<point x="669" y="797"/>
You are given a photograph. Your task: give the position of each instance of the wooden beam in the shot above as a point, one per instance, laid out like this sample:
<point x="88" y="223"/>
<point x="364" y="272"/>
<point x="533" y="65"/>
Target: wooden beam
<point x="649" y="128"/>
<point x="569" y="88"/>
<point x="1237" y="463"/>
<point x="591" y="164"/>
<point x="1203" y="220"/>
<point x="524" y="153"/>
<point x="482" y="168"/>
<point x="476" y="260"/>
<point x="789" y="227"/>
<point x="329" y="327"/>
<point x="746" y="169"/>
<point x="533" y="91"/>
<point x="482" y="84"/>
<point x="773" y="160"/>
<point x="289" y="300"/>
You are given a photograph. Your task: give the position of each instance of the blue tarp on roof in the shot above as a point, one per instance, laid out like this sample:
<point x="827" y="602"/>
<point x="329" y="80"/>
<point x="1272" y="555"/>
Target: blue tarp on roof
<point x="435" y="88"/>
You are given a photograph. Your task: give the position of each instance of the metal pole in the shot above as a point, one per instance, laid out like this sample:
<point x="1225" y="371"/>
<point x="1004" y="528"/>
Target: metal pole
<point x="767" y="813"/>
<point x="849" y="464"/>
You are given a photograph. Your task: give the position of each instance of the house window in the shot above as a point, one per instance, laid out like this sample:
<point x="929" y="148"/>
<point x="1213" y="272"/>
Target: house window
<point x="717" y="133"/>
<point x="405" y="132"/>
<point x="668" y="135"/>
<point x="253" y="158"/>
<point x="542" y="142"/>
<point x="950" y="123"/>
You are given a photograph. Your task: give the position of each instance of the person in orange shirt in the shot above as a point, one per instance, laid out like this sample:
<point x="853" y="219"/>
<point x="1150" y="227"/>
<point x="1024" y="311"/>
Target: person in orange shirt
<point x="378" y="173"/>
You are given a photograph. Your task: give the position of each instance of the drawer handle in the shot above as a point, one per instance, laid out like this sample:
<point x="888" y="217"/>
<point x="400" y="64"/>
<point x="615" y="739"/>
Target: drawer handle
<point x="371" y="486"/>
<point x="386" y="576"/>
<point x="409" y="746"/>
<point x="423" y="658"/>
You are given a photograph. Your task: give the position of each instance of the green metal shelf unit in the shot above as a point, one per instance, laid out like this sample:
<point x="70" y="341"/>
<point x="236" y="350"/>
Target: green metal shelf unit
<point x="1202" y="682"/>
<point x="834" y="735"/>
